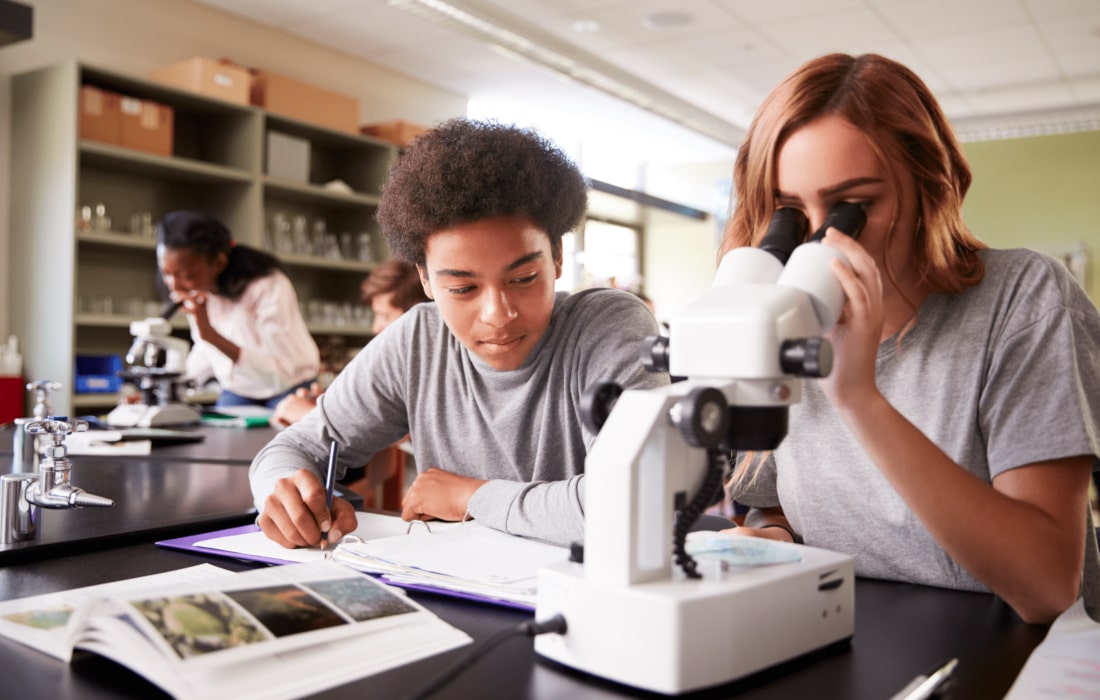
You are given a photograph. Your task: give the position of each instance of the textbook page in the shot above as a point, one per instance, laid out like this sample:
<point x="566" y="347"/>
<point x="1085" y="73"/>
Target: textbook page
<point x="1066" y="664"/>
<point x="47" y="623"/>
<point x="270" y="634"/>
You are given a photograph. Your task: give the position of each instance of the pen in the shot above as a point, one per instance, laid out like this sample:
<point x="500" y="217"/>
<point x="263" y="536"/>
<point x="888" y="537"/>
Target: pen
<point x="330" y="484"/>
<point x="923" y="687"/>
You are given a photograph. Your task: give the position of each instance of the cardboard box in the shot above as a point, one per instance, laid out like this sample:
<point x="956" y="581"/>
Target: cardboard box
<point x="100" y="115"/>
<point x="293" y="98"/>
<point x="287" y="157"/>
<point x="399" y="132"/>
<point x="146" y="126"/>
<point x="207" y="76"/>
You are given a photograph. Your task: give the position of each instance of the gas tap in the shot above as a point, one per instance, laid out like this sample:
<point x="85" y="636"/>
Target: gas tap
<point x="53" y="488"/>
<point x="23" y="493"/>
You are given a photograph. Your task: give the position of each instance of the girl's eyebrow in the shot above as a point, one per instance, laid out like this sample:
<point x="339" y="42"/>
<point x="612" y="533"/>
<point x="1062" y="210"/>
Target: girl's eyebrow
<point x="838" y="187"/>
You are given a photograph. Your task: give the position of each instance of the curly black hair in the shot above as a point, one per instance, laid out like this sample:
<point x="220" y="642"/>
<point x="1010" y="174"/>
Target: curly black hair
<point x="206" y="236"/>
<point x="465" y="171"/>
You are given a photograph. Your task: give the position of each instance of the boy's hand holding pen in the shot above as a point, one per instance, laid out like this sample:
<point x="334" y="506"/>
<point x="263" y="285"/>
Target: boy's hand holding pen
<point x="330" y="484"/>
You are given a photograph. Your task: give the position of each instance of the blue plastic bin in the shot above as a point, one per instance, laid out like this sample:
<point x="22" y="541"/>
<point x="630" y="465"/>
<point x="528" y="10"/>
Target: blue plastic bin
<point x="98" y="374"/>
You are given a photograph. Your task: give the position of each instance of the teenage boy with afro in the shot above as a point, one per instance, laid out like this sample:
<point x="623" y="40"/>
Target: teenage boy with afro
<point x="488" y="379"/>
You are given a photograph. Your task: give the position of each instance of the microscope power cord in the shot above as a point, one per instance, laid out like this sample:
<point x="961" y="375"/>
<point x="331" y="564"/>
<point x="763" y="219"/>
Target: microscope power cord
<point x="531" y="628"/>
<point x="686" y="516"/>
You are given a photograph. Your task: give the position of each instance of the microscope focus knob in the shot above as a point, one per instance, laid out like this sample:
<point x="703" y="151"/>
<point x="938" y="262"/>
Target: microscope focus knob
<point x="704" y="417"/>
<point x="654" y="354"/>
<point x="596" y="404"/>
<point x="806" y="357"/>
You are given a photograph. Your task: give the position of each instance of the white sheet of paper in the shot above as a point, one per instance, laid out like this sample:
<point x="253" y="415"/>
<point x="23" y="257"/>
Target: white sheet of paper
<point x="470" y="552"/>
<point x="1066" y="664"/>
<point x="106" y="443"/>
<point x="371" y="526"/>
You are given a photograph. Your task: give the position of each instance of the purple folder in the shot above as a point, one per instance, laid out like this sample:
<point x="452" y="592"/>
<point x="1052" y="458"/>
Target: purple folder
<point x="190" y="544"/>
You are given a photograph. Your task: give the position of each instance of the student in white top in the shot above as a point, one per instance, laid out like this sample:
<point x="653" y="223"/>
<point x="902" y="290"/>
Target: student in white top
<point x="246" y="326"/>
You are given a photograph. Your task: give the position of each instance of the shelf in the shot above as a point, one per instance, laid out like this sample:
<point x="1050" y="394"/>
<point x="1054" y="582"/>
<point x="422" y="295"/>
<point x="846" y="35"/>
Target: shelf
<point x="216" y="166"/>
<point x="302" y="192"/>
<point x="357" y="331"/>
<point x="327" y="264"/>
<point x="175" y="168"/>
<point x="116" y="238"/>
<point x="181" y="100"/>
<point x="119" y="321"/>
<point x="324" y="135"/>
<point x="92" y="400"/>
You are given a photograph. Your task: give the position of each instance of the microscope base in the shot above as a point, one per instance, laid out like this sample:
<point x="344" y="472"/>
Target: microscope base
<point x="679" y="635"/>
<point x="137" y="415"/>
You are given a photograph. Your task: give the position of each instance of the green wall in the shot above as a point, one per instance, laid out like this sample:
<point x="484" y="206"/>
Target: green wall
<point x="1041" y="192"/>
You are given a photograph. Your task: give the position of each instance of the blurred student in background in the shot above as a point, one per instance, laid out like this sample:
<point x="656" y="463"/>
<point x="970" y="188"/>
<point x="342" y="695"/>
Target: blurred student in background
<point x="247" y="329"/>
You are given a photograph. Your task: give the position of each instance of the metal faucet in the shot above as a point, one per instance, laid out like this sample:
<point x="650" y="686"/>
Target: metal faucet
<point x="25" y="448"/>
<point x="24" y="493"/>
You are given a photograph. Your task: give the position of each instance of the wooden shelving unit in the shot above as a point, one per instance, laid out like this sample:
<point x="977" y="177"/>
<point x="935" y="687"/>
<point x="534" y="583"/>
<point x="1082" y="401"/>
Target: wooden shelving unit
<point x="74" y="291"/>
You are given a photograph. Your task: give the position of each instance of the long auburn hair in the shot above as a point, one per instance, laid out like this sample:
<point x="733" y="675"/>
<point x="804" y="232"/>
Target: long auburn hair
<point x="904" y="126"/>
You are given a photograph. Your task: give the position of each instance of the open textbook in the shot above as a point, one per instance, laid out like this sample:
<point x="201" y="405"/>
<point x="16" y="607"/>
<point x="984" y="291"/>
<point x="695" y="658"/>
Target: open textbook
<point x="203" y="632"/>
<point x="462" y="559"/>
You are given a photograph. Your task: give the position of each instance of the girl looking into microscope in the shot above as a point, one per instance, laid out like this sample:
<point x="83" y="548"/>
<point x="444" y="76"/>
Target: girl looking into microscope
<point x="953" y="442"/>
<point x="247" y="329"/>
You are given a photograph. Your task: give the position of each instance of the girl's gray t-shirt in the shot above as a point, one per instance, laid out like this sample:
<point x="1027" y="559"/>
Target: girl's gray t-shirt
<point x="1004" y="374"/>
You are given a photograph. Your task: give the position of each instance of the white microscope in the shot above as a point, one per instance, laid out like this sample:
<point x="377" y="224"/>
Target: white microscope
<point x="632" y="616"/>
<point x="155" y="363"/>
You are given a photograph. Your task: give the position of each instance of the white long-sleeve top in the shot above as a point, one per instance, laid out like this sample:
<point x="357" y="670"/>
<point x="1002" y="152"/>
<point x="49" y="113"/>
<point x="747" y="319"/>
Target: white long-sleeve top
<point x="277" y="351"/>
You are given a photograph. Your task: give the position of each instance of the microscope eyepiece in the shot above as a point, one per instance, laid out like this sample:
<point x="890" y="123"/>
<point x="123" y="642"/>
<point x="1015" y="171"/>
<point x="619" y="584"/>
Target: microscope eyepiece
<point x="786" y="231"/>
<point x="848" y="217"/>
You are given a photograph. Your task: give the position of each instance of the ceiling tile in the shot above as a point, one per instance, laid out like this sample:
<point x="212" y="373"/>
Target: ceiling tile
<point x="1045" y="9"/>
<point x="628" y="20"/>
<point x="926" y="18"/>
<point x="1023" y="99"/>
<point x="373" y="29"/>
<point x="1072" y="33"/>
<point x="1087" y="90"/>
<point x="757" y="13"/>
<point x="838" y="31"/>
<point x="280" y="13"/>
<point x="984" y="76"/>
<point x="951" y="52"/>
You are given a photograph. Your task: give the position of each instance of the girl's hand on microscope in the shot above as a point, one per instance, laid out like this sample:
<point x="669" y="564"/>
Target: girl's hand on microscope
<point x="193" y="301"/>
<point x="194" y="304"/>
